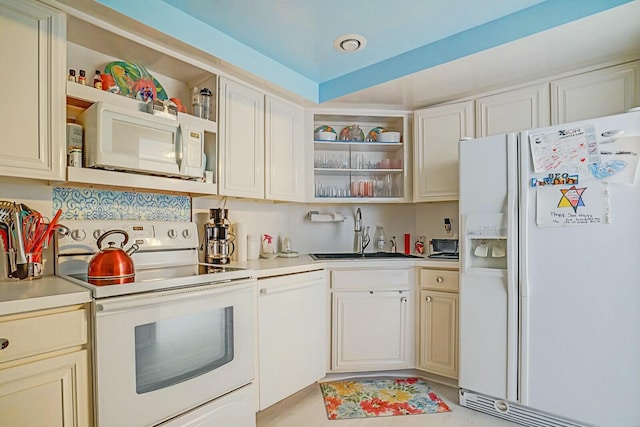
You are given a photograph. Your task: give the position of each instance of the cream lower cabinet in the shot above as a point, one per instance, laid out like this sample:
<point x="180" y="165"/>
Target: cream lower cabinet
<point x="438" y="322"/>
<point x="598" y="93"/>
<point x="44" y="393"/>
<point x="32" y="111"/>
<point x="372" y="320"/>
<point x="437" y="132"/>
<point x="44" y="369"/>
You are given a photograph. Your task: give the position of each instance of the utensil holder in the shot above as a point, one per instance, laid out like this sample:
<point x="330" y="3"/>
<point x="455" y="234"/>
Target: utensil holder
<point x="34" y="266"/>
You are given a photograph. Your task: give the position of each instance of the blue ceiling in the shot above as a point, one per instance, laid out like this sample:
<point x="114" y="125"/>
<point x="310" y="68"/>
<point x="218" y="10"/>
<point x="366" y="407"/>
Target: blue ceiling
<point x="290" y="42"/>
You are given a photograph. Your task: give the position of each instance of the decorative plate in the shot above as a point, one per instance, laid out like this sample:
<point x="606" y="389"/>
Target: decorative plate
<point x="373" y="134"/>
<point x="344" y="134"/>
<point x="135" y="81"/>
<point x="324" y="128"/>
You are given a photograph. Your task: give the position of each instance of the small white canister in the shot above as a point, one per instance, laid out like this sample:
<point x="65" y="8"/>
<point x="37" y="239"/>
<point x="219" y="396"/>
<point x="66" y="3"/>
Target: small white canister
<point x="74" y="144"/>
<point x="253" y="247"/>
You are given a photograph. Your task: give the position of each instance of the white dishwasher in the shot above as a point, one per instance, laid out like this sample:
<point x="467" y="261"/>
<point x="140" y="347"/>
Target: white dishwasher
<point x="292" y="334"/>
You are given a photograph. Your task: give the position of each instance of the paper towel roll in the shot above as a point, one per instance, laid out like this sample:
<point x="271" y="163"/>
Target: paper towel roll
<point x="241" y="241"/>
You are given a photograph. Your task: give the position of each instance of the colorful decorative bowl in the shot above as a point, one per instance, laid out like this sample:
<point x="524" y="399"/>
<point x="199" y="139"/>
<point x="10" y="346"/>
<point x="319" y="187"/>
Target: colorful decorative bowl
<point x="389" y="137"/>
<point x="324" y="136"/>
<point x="324" y="128"/>
<point x="373" y="134"/>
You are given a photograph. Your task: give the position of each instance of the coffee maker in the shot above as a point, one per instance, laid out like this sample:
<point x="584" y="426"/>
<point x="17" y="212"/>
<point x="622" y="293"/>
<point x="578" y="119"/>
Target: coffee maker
<point x="218" y="241"/>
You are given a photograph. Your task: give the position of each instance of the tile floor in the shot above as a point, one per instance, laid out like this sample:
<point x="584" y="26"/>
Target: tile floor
<point x="306" y="409"/>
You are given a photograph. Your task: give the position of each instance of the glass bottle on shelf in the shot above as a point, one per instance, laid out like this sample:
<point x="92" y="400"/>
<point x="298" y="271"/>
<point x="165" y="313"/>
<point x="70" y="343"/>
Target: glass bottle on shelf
<point x="355" y="134"/>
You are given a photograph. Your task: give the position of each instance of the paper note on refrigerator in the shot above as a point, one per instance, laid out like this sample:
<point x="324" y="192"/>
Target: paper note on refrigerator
<point x="619" y="161"/>
<point x="570" y="149"/>
<point x="570" y="205"/>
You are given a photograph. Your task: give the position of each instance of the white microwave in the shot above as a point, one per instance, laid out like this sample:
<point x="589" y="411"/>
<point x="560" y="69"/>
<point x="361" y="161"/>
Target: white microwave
<point x="116" y="138"/>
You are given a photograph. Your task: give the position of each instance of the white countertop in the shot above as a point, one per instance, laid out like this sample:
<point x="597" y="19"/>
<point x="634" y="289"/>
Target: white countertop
<point x="18" y="296"/>
<point x="52" y="291"/>
<point x="280" y="266"/>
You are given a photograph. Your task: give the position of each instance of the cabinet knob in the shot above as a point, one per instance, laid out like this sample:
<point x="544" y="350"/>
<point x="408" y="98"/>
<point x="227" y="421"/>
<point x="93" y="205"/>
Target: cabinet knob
<point x="439" y="279"/>
<point x="428" y="299"/>
<point x="403" y="299"/>
<point x="4" y="343"/>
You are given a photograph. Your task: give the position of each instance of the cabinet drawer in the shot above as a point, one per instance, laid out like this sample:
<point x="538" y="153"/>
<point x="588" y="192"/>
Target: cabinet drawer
<point x="441" y="280"/>
<point x="371" y="279"/>
<point x="41" y="334"/>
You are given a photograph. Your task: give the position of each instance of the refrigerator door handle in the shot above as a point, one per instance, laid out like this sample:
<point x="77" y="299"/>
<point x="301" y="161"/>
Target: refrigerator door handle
<point x="512" y="266"/>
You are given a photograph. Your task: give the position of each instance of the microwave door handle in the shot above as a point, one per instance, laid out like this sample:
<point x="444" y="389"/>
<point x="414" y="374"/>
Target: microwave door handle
<point x="179" y="147"/>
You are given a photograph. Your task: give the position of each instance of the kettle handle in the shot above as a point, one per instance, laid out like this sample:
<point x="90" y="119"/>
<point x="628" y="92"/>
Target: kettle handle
<point x="109" y="233"/>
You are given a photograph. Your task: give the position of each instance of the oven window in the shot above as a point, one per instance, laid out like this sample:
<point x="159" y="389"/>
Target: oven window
<point x="174" y="350"/>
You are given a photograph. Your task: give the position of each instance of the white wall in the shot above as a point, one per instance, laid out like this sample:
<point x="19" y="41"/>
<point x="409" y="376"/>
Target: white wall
<point x="280" y="220"/>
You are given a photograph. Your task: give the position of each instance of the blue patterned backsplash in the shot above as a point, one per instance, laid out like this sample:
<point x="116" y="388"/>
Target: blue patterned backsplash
<point x="89" y="204"/>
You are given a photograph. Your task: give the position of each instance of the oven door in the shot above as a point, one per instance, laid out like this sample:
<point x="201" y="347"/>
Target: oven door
<point x="160" y="354"/>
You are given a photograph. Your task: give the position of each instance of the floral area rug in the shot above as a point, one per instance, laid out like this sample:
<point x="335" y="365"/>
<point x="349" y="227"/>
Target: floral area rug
<point x="380" y="397"/>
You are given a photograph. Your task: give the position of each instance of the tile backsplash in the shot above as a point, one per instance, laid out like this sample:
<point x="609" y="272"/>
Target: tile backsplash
<point x="92" y="204"/>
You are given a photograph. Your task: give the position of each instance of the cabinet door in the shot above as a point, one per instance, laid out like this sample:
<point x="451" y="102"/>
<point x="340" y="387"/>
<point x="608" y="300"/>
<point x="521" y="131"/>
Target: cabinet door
<point x="438" y="130"/>
<point x="49" y="392"/>
<point x="520" y="109"/>
<point x="241" y="130"/>
<point x="439" y="333"/>
<point x="599" y="93"/>
<point x="32" y="113"/>
<point x="284" y="151"/>
<point x="369" y="330"/>
<point x="292" y="334"/>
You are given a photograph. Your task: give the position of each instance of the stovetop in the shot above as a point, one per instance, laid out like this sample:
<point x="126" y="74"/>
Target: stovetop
<point x="159" y="279"/>
<point x="167" y="258"/>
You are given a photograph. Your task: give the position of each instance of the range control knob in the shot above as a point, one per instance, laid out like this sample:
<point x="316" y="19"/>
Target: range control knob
<point x="78" y="235"/>
<point x="97" y="233"/>
<point x="186" y="233"/>
<point x="172" y="233"/>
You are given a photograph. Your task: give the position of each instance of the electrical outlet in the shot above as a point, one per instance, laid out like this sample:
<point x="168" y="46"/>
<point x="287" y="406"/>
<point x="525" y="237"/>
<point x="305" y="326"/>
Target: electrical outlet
<point x="447" y="226"/>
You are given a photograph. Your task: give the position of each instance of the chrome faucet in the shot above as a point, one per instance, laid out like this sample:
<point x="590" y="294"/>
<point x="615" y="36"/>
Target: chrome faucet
<point x="362" y="238"/>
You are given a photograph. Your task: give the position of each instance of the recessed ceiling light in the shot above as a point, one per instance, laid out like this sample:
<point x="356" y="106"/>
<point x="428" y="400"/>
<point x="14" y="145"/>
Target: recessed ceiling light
<point x="350" y="43"/>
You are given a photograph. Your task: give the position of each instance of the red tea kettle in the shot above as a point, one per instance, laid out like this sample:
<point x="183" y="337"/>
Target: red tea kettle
<point x="112" y="265"/>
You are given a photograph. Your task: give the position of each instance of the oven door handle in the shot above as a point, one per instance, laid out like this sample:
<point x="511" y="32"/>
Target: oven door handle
<point x="131" y="302"/>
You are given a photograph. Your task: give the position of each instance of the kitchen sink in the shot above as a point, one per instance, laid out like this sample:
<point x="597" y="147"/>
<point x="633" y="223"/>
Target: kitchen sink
<point x="353" y="255"/>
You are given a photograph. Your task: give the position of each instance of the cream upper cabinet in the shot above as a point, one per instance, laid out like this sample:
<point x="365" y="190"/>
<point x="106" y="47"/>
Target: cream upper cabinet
<point x="511" y="111"/>
<point x="597" y="93"/>
<point x="32" y="114"/>
<point x="437" y="132"/>
<point x="284" y="151"/>
<point x="241" y="145"/>
<point x="261" y="145"/>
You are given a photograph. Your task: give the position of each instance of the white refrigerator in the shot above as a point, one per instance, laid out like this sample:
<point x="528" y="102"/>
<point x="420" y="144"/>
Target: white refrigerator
<point x="550" y="274"/>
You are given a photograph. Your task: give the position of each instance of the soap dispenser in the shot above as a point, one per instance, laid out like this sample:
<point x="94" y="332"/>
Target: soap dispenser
<point x="380" y="239"/>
